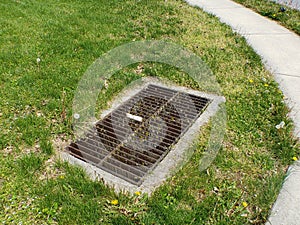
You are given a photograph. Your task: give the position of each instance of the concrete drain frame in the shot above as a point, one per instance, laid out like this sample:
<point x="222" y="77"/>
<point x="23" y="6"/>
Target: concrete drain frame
<point x="169" y="162"/>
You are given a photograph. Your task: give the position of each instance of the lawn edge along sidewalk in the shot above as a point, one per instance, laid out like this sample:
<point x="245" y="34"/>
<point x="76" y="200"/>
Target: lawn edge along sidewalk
<point x="279" y="49"/>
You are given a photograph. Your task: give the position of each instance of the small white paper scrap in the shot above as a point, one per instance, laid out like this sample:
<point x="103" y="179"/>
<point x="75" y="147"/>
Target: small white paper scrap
<point x="137" y="118"/>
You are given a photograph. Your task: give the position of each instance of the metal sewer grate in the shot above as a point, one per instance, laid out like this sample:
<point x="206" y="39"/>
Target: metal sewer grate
<point x="131" y="140"/>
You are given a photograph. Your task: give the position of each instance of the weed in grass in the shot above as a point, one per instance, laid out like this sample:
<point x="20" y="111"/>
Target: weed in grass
<point x="29" y="164"/>
<point x="46" y="147"/>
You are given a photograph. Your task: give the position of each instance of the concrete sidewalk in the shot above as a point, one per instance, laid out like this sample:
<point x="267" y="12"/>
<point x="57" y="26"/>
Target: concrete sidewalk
<point x="280" y="50"/>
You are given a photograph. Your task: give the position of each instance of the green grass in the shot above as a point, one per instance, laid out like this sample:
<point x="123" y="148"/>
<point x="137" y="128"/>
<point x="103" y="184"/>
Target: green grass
<point x="289" y="18"/>
<point x="36" y="101"/>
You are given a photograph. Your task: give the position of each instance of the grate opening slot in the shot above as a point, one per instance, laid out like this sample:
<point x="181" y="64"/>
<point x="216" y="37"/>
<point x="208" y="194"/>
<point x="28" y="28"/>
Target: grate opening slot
<point x="131" y="169"/>
<point x="137" y="155"/>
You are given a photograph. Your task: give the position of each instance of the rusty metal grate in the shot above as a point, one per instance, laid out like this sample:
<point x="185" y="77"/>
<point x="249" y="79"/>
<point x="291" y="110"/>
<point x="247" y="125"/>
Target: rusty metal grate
<point x="130" y="141"/>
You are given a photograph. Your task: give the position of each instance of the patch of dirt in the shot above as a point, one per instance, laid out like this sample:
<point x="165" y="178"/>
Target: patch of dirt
<point x="13" y="151"/>
<point x="8" y="150"/>
<point x="200" y="194"/>
<point x="51" y="171"/>
<point x="60" y="142"/>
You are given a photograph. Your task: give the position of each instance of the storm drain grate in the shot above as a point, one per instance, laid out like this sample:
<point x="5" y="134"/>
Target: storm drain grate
<point x="131" y="140"/>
